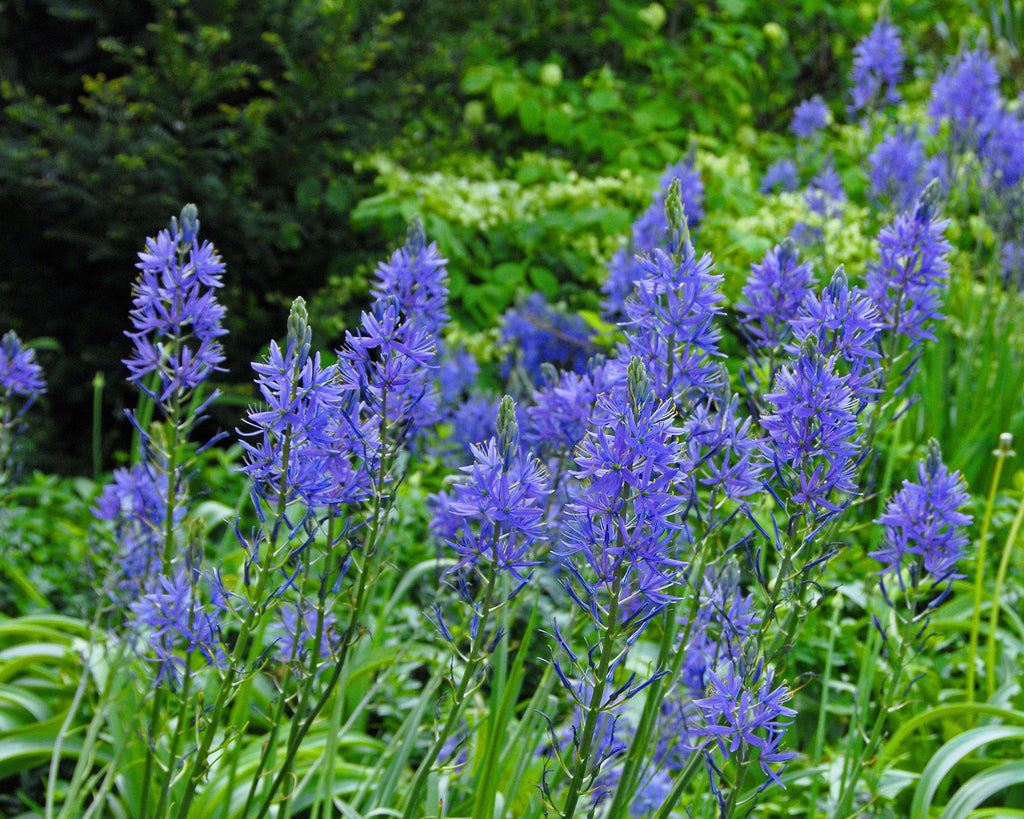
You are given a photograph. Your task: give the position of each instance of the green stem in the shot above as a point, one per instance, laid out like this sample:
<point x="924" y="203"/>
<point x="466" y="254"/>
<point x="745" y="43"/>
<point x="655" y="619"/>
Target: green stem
<point x="265" y="570"/>
<point x="594" y="709"/>
<point x="151" y="743"/>
<point x="895" y="679"/>
<point x="979" y="573"/>
<point x="473" y="662"/>
<point x="172" y="756"/>
<point x="997" y="594"/>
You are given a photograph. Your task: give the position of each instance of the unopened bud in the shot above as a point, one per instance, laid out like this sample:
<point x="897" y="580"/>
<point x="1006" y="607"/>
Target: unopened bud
<point x="638" y="383"/>
<point x="416" y="235"/>
<point x="677" y="234"/>
<point x="299" y="334"/>
<point x="787" y="251"/>
<point x="933" y="457"/>
<point x="186" y="226"/>
<point x="1005" y="449"/>
<point x="508" y="430"/>
<point x="839" y="285"/>
<point x="928" y="203"/>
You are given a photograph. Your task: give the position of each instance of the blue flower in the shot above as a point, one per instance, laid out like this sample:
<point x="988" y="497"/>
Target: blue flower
<point x="649" y="232"/>
<point x="810" y="116"/>
<point x="773" y="294"/>
<point x="416" y="277"/>
<point x="825" y="194"/>
<point x="722" y="452"/>
<point x="457" y="372"/>
<point x="845" y="324"/>
<point x="966" y="97"/>
<point x="538" y="333"/>
<point x="136" y="504"/>
<point x="175" y="312"/>
<point x="294" y="632"/>
<point x="911" y="275"/>
<point x="20" y="373"/>
<point x="896" y="168"/>
<point x="293" y="432"/>
<point x="750" y="713"/>
<point x="1003" y="149"/>
<point x="877" y="68"/>
<point x="924" y="526"/>
<point x="621" y="524"/>
<point x="388" y="367"/>
<point x="780" y="176"/>
<point x="671" y="324"/>
<point x="496" y="509"/>
<point x="180" y="616"/>
<point x="813" y="428"/>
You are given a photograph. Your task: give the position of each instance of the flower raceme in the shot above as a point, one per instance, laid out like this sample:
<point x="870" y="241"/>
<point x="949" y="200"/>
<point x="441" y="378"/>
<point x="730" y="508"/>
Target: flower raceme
<point x="496" y="509"/>
<point x="621" y="527"/>
<point x="773" y="294"/>
<point x="877" y="68"/>
<point x="670" y="323"/>
<point x="845" y="324"/>
<point x="175" y="312"/>
<point x="912" y="272"/>
<point x="20" y="373"/>
<point x="813" y="429"/>
<point x="924" y="526"/>
<point x="810" y="116"/>
<point x="416" y="277"/>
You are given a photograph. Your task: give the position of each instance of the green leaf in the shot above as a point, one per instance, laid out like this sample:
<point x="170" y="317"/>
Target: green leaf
<point x="337" y="196"/>
<point x="505" y="95"/>
<point x="979" y="788"/>
<point x="544" y="280"/>
<point x="949" y="755"/>
<point x="531" y="115"/>
<point x="477" y="79"/>
<point x="307" y="192"/>
<point x="603" y="100"/>
<point x="657" y="115"/>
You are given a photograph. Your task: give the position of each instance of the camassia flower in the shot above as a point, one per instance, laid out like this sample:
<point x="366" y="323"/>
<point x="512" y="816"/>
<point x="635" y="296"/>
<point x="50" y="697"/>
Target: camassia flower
<point x="912" y="272"/>
<point x="175" y="312"/>
<point x="810" y="116"/>
<point x="924" y="526"/>
<point x="813" y="429"/>
<point x="649" y="231"/>
<point x="180" y="616"/>
<point x="966" y="97"/>
<point x="773" y="294"/>
<point x="20" y="373"/>
<point x="877" y="68"/>
<point x="741" y="713"/>
<point x="21" y="382"/>
<point x="896" y="168"/>
<point x="621" y="527"/>
<point x="845" y="324"/>
<point x="496" y="509"/>
<point x="416" y="277"/>
<point x="670" y="322"/>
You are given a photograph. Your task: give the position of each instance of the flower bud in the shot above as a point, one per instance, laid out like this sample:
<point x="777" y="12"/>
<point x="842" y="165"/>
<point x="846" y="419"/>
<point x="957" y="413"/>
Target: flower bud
<point x="677" y="234"/>
<point x="928" y="203"/>
<point x="508" y="430"/>
<point x="299" y="334"/>
<point x="186" y="226"/>
<point x="416" y="236"/>
<point x="933" y="457"/>
<point x="639" y="383"/>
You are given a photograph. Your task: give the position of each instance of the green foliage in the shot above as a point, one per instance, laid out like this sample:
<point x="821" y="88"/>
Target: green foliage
<point x="534" y="224"/>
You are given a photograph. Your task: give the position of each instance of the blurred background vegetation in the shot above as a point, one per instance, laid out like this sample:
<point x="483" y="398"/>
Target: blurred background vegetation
<point x="307" y="132"/>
